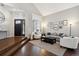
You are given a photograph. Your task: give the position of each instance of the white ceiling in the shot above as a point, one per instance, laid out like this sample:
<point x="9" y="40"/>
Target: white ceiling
<point x="44" y="8"/>
<point x="50" y="8"/>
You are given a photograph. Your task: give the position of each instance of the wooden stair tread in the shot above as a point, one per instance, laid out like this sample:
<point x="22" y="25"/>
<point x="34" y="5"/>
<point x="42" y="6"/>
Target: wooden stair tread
<point x="9" y="44"/>
<point x="15" y="48"/>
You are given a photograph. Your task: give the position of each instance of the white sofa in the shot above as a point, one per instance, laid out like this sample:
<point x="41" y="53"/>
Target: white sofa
<point x="69" y="42"/>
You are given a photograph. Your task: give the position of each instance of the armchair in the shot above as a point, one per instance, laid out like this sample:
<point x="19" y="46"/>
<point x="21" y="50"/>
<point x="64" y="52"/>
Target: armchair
<point x="36" y="35"/>
<point x="69" y="42"/>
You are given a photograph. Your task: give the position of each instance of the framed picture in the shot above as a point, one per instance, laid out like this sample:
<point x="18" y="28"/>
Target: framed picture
<point x="61" y="23"/>
<point x="55" y="27"/>
<point x="65" y="22"/>
<point x="50" y="25"/>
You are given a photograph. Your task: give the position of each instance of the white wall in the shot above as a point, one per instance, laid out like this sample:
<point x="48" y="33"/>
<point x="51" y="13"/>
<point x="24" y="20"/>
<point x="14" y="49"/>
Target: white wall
<point x="28" y="10"/>
<point x="72" y="15"/>
<point x="6" y="24"/>
<point x="69" y="14"/>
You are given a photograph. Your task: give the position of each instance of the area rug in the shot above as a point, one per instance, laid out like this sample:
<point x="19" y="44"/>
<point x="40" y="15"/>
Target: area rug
<point x="53" y="48"/>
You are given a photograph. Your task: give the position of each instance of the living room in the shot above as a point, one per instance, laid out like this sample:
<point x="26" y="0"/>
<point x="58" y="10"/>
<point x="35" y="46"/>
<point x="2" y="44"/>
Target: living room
<point x="57" y="25"/>
<point x="47" y="29"/>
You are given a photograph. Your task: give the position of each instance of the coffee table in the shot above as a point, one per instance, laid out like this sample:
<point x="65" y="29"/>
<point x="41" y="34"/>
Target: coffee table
<point x="50" y="40"/>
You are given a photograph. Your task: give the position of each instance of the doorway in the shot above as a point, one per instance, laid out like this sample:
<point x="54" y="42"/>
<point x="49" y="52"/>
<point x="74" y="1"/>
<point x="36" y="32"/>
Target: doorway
<point x="19" y="27"/>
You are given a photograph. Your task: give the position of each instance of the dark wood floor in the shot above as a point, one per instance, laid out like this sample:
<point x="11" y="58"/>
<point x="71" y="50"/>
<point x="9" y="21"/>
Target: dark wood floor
<point x="32" y="50"/>
<point x="4" y="43"/>
<point x="71" y="52"/>
<point x="11" y="44"/>
<point x="29" y="49"/>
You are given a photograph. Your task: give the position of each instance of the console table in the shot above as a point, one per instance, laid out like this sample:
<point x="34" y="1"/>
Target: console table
<point x="3" y="34"/>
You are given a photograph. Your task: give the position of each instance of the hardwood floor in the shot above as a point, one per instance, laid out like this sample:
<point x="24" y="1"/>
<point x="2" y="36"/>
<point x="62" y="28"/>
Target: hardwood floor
<point x="71" y="52"/>
<point x="10" y="46"/>
<point x="32" y="50"/>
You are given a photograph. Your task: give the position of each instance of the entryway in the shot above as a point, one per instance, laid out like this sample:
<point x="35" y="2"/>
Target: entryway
<point x="19" y="27"/>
